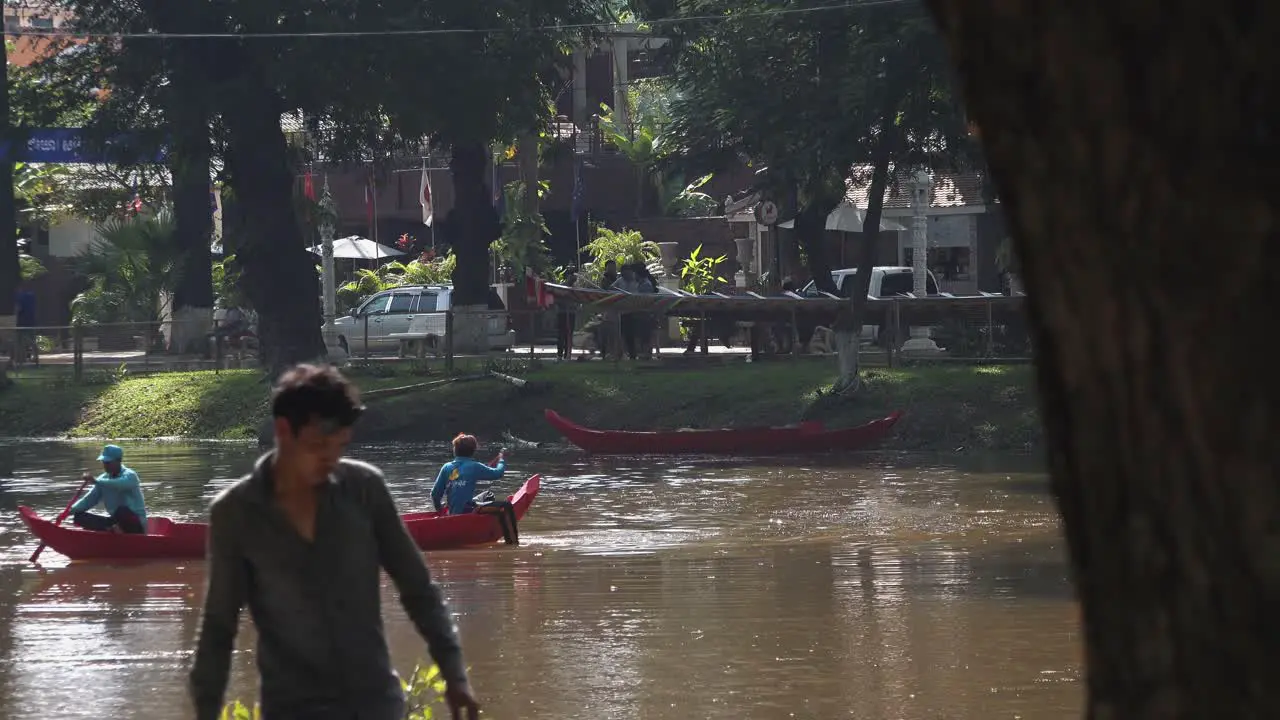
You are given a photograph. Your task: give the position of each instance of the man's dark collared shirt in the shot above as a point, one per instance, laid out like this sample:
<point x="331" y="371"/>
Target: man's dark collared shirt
<point x="322" y="650"/>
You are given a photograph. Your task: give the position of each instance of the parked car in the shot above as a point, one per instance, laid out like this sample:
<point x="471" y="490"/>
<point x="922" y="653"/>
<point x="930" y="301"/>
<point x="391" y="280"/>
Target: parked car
<point x="886" y="281"/>
<point x="392" y="312"/>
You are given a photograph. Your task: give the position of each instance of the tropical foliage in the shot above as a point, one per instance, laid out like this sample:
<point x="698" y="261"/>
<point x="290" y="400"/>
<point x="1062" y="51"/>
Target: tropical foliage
<point x="131" y="268"/>
<point x="428" y="269"/>
<point x="30" y="268"/>
<point x="698" y="272"/>
<point x="226" y="283"/>
<point x="661" y="188"/>
<point x="522" y="244"/>
<point x="623" y="247"/>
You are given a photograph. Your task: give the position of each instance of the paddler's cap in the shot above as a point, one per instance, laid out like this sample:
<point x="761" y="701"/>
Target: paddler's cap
<point x="111" y="453"/>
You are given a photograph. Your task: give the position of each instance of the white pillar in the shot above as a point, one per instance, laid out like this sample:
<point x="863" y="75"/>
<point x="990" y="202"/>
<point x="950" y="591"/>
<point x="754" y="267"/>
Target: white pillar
<point x="920" y="342"/>
<point x="580" y="87"/>
<point x="327" y="220"/>
<point x="621" y="81"/>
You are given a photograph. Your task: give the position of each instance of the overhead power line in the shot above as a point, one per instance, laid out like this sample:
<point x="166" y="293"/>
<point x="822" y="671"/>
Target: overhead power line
<point x="72" y="34"/>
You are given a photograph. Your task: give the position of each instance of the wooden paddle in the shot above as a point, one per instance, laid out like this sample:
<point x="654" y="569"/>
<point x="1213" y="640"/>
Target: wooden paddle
<point x="65" y="512"/>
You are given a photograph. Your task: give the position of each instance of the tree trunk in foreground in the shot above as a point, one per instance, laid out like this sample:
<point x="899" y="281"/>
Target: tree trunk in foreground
<point x="1133" y="146"/>
<point x="193" y="215"/>
<point x="474" y="224"/>
<point x="278" y="273"/>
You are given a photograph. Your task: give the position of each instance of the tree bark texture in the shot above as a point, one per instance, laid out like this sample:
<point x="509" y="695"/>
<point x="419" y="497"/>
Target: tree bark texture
<point x="278" y="273"/>
<point x="8" y="211"/>
<point x="1133" y="146"/>
<point x="193" y="218"/>
<point x="473" y="224"/>
<point x="193" y="214"/>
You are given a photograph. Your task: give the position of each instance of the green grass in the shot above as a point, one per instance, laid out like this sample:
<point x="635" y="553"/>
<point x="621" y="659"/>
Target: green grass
<point x="205" y="404"/>
<point x="948" y="408"/>
<point x="36" y="408"/>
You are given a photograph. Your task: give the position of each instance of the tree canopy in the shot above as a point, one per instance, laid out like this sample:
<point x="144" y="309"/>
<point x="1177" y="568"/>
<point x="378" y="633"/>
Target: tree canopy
<point x="372" y="80"/>
<point x="811" y="93"/>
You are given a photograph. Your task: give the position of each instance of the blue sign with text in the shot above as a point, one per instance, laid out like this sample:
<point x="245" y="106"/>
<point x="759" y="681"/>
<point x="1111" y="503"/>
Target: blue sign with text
<point x="70" y="146"/>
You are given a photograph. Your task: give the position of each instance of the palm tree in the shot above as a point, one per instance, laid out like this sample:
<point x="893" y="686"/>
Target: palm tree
<point x="132" y="268"/>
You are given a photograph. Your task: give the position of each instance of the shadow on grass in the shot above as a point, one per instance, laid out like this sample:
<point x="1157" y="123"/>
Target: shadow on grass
<point x="46" y="404"/>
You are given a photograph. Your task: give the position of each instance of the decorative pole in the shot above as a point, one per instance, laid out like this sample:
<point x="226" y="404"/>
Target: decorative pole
<point x="921" y="185"/>
<point x="327" y="221"/>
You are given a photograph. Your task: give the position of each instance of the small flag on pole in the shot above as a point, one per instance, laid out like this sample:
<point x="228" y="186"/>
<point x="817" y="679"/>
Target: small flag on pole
<point x="308" y="186"/>
<point x="368" y="202"/>
<point x="424" y="197"/>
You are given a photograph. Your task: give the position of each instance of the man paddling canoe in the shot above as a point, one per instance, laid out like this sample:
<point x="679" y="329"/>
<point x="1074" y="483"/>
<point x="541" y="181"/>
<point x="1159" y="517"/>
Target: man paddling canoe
<point x="119" y="491"/>
<point x="301" y="541"/>
<point x="456" y="486"/>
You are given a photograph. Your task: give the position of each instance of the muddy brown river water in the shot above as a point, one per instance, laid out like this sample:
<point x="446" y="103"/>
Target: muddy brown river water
<point x="876" y="587"/>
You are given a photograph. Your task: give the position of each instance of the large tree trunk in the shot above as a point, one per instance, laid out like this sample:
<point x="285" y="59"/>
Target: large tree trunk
<point x="1150" y="313"/>
<point x="811" y="233"/>
<point x="193" y="216"/>
<point x="8" y="212"/>
<point x="473" y="224"/>
<point x="848" y="326"/>
<point x="279" y="275"/>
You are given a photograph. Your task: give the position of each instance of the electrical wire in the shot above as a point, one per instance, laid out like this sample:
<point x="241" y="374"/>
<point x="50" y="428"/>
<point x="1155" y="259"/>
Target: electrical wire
<point x="93" y="35"/>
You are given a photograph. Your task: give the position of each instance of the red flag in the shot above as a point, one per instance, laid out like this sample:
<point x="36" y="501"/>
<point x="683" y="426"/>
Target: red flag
<point x="308" y="186"/>
<point x="424" y="197"/>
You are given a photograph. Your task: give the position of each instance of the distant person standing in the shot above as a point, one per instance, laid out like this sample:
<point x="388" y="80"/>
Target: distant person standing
<point x="303" y="540"/>
<point x="631" y="282"/>
<point x="607" y="337"/>
<point x="24" y="306"/>
<point x="566" y="319"/>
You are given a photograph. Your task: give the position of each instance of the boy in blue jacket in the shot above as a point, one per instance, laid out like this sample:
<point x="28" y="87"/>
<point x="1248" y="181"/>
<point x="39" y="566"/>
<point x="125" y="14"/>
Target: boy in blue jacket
<point x="456" y="483"/>
<point x="456" y="486"/>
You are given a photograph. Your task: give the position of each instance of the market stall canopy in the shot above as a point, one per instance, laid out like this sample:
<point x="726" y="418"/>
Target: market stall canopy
<point x="358" y="248"/>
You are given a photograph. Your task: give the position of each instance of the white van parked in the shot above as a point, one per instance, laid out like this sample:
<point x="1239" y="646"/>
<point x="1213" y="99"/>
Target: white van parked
<point x="418" y="309"/>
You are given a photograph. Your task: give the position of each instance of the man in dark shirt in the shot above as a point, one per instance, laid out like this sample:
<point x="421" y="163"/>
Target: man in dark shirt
<point x="301" y="541"/>
<point x="24" y="307"/>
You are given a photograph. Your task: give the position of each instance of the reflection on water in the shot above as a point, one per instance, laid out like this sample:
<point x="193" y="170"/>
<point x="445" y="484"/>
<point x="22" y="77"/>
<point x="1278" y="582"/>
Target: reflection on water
<point x="695" y="589"/>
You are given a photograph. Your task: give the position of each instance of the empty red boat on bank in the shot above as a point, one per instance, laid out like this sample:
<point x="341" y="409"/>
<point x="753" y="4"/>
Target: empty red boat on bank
<point x="169" y="540"/>
<point x="803" y="438"/>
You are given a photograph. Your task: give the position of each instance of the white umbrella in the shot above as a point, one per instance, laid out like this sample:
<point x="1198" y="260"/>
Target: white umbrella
<point x="358" y="248"/>
<point x="847" y="218"/>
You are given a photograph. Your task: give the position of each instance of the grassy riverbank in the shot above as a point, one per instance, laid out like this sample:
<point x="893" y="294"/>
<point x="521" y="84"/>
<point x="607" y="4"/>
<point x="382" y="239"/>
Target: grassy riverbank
<point x="950" y="408"/>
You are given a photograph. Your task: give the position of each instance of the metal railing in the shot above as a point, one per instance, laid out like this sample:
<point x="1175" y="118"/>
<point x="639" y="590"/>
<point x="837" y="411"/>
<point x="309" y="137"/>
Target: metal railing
<point x="968" y="330"/>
